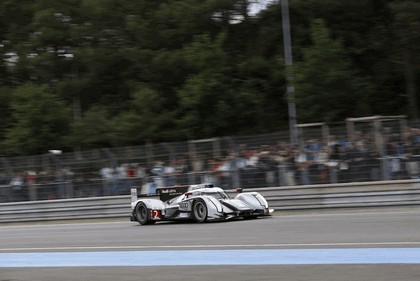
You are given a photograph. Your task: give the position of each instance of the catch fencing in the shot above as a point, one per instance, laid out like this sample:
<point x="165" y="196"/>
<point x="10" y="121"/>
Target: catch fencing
<point x="360" y="150"/>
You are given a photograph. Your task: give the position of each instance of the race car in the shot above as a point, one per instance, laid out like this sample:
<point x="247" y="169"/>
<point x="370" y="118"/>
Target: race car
<point x="199" y="203"/>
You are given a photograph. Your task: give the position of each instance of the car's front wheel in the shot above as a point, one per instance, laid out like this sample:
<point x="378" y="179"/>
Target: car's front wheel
<point x="200" y="211"/>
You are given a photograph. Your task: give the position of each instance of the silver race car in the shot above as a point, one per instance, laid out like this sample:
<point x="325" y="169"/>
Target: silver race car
<point x="199" y="203"/>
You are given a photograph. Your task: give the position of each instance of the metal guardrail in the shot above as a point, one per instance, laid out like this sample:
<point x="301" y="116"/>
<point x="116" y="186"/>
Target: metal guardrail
<point x="296" y="198"/>
<point x="66" y="209"/>
<point x="344" y="196"/>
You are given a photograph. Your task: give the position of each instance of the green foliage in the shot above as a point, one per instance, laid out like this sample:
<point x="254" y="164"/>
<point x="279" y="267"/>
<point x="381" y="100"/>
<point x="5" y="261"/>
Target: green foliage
<point x="407" y="22"/>
<point x="5" y="112"/>
<point x="206" y="98"/>
<point x="40" y="120"/>
<point x="94" y="130"/>
<point x="328" y="88"/>
<point x="167" y="70"/>
<point x="143" y="120"/>
<point x="406" y="28"/>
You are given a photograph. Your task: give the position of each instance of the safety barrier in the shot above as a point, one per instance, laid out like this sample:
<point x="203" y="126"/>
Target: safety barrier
<point x="296" y="198"/>
<point x="65" y="209"/>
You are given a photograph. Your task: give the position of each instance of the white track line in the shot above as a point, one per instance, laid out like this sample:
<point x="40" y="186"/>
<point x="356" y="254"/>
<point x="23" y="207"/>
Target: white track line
<point x="286" y="245"/>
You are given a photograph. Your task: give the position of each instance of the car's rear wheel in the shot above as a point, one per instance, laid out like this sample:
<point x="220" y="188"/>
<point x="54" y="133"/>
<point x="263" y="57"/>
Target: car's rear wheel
<point x="200" y="211"/>
<point x="143" y="214"/>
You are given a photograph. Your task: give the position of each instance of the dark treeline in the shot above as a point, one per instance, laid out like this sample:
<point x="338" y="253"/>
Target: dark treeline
<point x="105" y="73"/>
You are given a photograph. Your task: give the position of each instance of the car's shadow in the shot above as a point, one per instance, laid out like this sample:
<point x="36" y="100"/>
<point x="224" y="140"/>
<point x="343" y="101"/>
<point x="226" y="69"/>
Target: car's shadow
<point x="192" y="222"/>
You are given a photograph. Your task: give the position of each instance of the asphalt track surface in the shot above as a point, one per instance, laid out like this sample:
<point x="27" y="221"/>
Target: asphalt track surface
<point x="347" y="246"/>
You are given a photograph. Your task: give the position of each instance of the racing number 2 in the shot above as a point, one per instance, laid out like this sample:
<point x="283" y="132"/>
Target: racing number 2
<point x="155" y="214"/>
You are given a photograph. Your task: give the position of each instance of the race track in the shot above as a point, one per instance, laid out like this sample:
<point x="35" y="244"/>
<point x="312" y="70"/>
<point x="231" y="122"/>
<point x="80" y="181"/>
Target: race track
<point x="352" y="246"/>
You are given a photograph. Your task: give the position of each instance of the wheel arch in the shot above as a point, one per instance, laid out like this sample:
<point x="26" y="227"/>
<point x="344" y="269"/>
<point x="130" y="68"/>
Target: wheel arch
<point x="214" y="207"/>
<point x="253" y="199"/>
<point x="152" y="204"/>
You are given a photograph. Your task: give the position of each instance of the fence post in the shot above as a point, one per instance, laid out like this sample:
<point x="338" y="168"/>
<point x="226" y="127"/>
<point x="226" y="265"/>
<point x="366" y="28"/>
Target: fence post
<point x="69" y="185"/>
<point x="282" y="174"/>
<point x="385" y="168"/>
<point x="32" y="192"/>
<point x="333" y="175"/>
<point x="234" y="176"/>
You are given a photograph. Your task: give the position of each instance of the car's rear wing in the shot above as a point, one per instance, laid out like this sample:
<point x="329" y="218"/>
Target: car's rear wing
<point x="164" y="193"/>
<point x="168" y="192"/>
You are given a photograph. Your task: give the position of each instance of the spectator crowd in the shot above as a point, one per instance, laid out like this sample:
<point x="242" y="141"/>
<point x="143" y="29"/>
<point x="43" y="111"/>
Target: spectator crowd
<point x="313" y="161"/>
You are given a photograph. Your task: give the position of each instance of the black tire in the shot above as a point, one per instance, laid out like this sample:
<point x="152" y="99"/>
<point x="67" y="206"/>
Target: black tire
<point x="199" y="211"/>
<point x="143" y="214"/>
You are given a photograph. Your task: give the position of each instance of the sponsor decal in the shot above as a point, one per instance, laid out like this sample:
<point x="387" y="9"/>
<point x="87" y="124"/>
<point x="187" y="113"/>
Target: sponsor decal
<point x="166" y="193"/>
<point x="155" y="214"/>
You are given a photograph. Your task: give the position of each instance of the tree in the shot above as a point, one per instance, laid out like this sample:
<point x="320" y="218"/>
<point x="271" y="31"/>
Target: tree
<point x="93" y="131"/>
<point x="175" y="69"/>
<point x="260" y="104"/>
<point x="40" y="122"/>
<point x="406" y="28"/>
<point x="145" y="119"/>
<point x="205" y="98"/>
<point x="6" y="111"/>
<point x="328" y="88"/>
